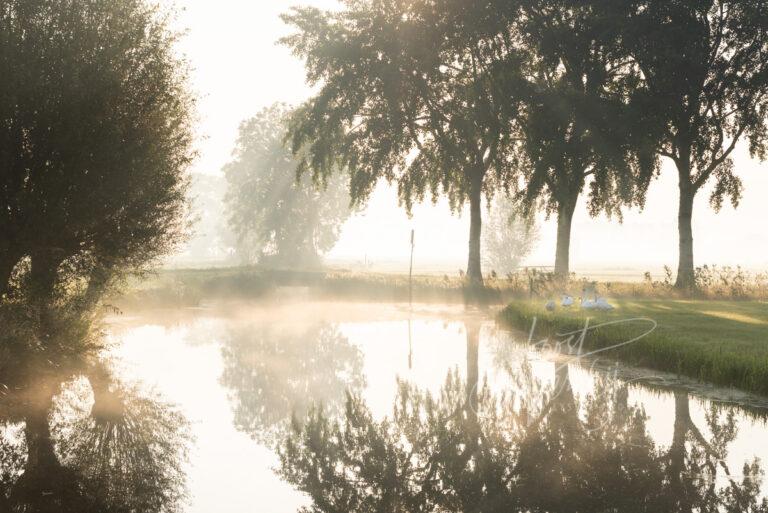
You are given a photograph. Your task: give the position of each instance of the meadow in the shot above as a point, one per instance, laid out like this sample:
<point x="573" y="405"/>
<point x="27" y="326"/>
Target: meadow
<point x="723" y="342"/>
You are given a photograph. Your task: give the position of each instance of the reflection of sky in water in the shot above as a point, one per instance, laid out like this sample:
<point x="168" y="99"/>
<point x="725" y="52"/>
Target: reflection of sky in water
<point x="230" y="471"/>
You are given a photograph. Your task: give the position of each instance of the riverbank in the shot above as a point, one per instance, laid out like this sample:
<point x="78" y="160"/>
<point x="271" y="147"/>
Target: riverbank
<point x="190" y="287"/>
<point x="720" y="342"/>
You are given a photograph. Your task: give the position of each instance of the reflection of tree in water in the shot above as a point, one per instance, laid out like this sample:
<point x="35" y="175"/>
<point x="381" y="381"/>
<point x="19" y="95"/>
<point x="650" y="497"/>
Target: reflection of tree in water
<point x="696" y="462"/>
<point x="75" y="440"/>
<point x="276" y="371"/>
<point x="530" y="448"/>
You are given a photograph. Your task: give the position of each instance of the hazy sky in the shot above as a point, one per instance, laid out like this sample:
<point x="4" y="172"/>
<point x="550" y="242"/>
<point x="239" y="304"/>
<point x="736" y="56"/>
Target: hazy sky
<point x="238" y="69"/>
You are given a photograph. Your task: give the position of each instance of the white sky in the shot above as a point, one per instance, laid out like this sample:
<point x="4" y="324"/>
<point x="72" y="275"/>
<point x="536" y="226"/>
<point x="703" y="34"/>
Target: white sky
<point x="238" y="69"/>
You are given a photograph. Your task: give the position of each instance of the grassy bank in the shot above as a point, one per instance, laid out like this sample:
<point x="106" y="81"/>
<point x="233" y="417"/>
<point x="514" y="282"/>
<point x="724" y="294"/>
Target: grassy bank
<point x="719" y="342"/>
<point x="189" y="287"/>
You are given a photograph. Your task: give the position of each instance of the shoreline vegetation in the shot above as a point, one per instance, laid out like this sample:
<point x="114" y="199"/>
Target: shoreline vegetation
<point x="723" y="343"/>
<point x="190" y="287"/>
<point x="717" y="336"/>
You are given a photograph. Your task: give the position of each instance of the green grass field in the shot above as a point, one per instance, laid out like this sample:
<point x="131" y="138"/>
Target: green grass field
<point x="719" y="342"/>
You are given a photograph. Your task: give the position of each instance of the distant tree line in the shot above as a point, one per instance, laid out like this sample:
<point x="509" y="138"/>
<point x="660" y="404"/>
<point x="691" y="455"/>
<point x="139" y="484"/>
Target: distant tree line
<point x="542" y="100"/>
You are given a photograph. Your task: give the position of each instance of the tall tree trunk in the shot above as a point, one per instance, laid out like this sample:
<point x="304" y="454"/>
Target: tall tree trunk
<point x="685" y="274"/>
<point x="474" y="267"/>
<point x="565" y="212"/>
<point x="40" y="453"/>
<point x="473" y="446"/>
<point x="41" y="486"/>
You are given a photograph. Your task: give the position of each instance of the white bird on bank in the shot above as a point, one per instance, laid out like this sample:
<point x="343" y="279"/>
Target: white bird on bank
<point x="598" y="304"/>
<point x="567" y="301"/>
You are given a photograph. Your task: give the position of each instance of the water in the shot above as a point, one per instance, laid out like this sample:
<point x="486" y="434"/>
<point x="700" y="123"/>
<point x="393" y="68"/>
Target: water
<point x="448" y="412"/>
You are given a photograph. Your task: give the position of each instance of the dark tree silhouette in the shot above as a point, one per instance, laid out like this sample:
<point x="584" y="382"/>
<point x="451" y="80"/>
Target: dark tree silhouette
<point x="94" y="141"/>
<point x="576" y="127"/>
<point x="523" y="451"/>
<point x="123" y="452"/>
<point x="705" y="82"/>
<point x="73" y="439"/>
<point x="408" y="96"/>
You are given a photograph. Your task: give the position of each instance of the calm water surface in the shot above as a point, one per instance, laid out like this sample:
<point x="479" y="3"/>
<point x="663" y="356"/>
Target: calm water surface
<point x="435" y="409"/>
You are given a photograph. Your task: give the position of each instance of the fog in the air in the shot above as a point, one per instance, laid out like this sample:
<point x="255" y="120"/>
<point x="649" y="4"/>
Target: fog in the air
<point x="238" y="69"/>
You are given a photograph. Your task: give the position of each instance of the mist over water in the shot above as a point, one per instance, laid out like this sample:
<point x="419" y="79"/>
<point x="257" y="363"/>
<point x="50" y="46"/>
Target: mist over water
<point x="256" y="257"/>
<point x="239" y="374"/>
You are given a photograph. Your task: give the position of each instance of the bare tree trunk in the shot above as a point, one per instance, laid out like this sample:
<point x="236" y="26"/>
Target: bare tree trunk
<point x="563" y="252"/>
<point x="474" y="267"/>
<point x="40" y="453"/>
<point x="40" y="486"/>
<point x="685" y="273"/>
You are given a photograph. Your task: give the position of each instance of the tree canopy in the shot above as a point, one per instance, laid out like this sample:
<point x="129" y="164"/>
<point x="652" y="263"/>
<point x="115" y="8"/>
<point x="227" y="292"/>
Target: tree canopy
<point x="278" y="217"/>
<point x="704" y="84"/>
<point x="578" y="127"/>
<point x="94" y="143"/>
<point x="407" y="96"/>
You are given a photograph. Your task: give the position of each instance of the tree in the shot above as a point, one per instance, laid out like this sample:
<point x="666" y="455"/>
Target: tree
<point x="76" y="439"/>
<point x="576" y="125"/>
<point x="276" y="373"/>
<point x="407" y="95"/>
<point x="508" y="237"/>
<point x="275" y="216"/>
<point x="705" y="82"/>
<point x="94" y="141"/>
<point x="212" y="239"/>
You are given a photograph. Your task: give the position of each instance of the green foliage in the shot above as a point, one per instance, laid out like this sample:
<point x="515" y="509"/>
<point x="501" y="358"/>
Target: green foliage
<point x="278" y="217"/>
<point x="705" y="81"/>
<point x="578" y="127"/>
<point x="94" y="142"/>
<point x="409" y="95"/>
<point x="703" y="88"/>
<point x="405" y="96"/>
<point x="717" y="342"/>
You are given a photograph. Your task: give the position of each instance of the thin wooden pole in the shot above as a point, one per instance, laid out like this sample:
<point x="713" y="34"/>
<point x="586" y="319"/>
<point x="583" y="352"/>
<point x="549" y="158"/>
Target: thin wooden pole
<point x="410" y="304"/>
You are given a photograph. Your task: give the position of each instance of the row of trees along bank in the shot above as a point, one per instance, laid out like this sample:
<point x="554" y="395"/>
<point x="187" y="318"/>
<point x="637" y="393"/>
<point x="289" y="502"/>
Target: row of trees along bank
<point x="543" y="100"/>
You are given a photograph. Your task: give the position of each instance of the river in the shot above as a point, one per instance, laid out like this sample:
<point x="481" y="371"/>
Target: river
<point x="239" y="372"/>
